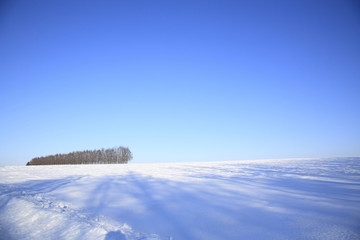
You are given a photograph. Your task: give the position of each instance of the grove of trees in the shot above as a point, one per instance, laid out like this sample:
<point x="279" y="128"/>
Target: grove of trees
<point x="103" y="156"/>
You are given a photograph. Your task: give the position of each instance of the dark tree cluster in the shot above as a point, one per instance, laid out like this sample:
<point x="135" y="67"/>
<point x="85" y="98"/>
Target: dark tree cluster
<point x="103" y="156"/>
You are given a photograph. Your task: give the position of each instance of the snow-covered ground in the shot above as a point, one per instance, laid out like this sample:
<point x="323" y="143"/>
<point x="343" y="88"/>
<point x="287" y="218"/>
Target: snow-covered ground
<point x="262" y="199"/>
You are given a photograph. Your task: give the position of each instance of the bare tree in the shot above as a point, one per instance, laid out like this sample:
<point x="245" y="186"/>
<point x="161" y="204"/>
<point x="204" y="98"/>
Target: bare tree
<point x="104" y="156"/>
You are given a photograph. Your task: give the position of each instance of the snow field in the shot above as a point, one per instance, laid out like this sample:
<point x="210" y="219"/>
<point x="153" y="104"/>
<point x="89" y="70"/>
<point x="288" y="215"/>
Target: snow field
<point x="262" y="199"/>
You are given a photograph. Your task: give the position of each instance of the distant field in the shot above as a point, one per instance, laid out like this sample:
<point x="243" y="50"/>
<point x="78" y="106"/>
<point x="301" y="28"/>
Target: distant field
<point x="262" y="199"/>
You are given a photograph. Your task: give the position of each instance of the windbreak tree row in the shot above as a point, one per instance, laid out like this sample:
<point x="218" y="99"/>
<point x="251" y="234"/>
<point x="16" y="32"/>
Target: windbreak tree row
<point x="103" y="156"/>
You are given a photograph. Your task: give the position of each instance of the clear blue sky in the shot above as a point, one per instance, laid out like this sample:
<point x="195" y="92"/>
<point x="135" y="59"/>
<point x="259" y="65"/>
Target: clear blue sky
<point x="179" y="80"/>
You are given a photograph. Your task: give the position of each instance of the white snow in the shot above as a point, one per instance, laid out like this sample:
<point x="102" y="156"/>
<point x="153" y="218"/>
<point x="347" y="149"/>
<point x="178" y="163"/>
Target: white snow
<point x="262" y="199"/>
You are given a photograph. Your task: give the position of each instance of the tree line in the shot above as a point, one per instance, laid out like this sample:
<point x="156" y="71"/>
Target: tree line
<point x="103" y="156"/>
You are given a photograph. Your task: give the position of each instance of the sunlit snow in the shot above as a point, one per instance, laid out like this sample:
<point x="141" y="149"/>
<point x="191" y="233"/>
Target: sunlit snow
<point x="262" y="199"/>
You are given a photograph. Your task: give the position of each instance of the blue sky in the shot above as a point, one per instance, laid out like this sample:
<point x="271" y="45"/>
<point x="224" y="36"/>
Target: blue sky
<point x="180" y="80"/>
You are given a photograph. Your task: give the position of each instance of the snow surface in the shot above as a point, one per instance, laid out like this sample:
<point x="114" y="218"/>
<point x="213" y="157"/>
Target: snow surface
<point x="262" y="199"/>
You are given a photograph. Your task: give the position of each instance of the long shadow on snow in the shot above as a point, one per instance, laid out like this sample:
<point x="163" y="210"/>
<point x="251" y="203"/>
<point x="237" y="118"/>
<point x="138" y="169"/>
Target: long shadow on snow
<point x="31" y="188"/>
<point x="37" y="186"/>
<point x="115" y="236"/>
<point x="214" y="207"/>
<point x="141" y="202"/>
<point x="175" y="208"/>
<point x="210" y="210"/>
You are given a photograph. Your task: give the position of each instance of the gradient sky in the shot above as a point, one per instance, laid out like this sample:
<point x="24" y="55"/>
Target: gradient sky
<point x="179" y="80"/>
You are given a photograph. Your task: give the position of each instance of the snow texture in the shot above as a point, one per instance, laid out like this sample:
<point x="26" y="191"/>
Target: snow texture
<point x="262" y="199"/>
